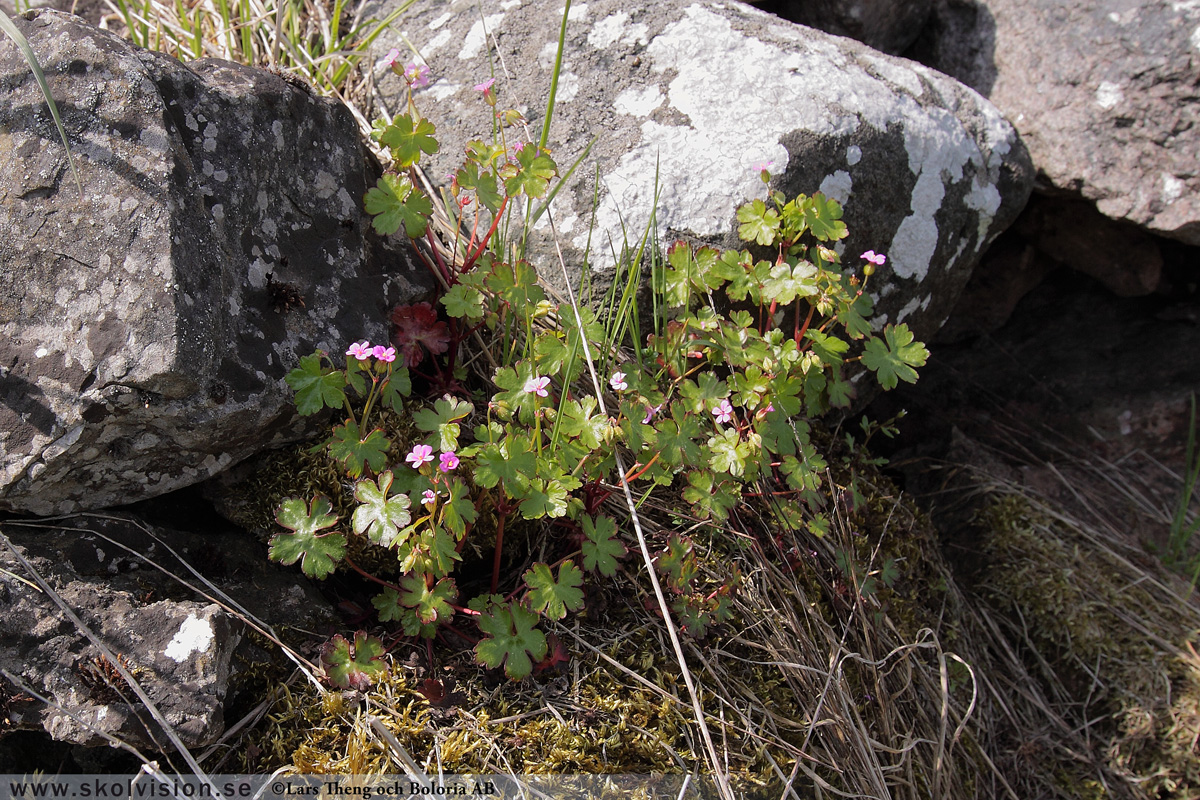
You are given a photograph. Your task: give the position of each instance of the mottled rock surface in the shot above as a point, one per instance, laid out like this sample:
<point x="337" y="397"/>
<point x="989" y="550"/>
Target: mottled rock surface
<point x="1103" y="92"/>
<point x="886" y="25"/>
<point x="178" y="644"/>
<point x="145" y="328"/>
<point x="697" y="93"/>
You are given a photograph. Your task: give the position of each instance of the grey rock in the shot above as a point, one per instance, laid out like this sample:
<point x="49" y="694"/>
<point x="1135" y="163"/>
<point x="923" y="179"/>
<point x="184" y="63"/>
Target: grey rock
<point x="144" y="328"/>
<point x="886" y="25"/>
<point x="178" y="644"/>
<point x="696" y="93"/>
<point x="1103" y="93"/>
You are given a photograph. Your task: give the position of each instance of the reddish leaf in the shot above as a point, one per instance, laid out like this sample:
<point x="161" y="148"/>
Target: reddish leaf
<point x="417" y="329"/>
<point x="433" y="691"/>
<point x="558" y="655"/>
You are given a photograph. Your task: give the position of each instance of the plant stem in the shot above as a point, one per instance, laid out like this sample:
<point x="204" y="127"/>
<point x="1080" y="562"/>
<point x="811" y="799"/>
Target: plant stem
<point x="499" y="545"/>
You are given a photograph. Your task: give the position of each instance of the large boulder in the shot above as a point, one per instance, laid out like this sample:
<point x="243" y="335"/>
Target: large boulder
<point x="145" y="327"/>
<point x="1102" y="91"/>
<point x="695" y="93"/>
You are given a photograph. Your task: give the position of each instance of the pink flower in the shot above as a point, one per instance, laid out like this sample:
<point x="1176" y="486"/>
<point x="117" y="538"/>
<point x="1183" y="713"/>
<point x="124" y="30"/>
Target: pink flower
<point x="428" y="498"/>
<point x="384" y="353"/>
<point x="723" y="412"/>
<point x="391" y="58"/>
<point x="518" y="147"/>
<point x="360" y="350"/>
<point x="762" y="166"/>
<point x="650" y="412"/>
<point x="537" y="386"/>
<point x="449" y="462"/>
<point x="417" y="75"/>
<point x="875" y="258"/>
<point x="485" y="87"/>
<point x="420" y="454"/>
<point x="617" y="382"/>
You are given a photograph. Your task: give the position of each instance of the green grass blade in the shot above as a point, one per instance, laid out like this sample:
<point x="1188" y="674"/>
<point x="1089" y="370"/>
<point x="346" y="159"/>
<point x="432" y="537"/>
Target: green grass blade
<point x="22" y="43"/>
<point x="562" y="40"/>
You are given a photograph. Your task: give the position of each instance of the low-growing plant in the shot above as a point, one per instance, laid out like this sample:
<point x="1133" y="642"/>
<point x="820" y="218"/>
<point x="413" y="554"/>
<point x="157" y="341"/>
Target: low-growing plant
<point x="713" y="407"/>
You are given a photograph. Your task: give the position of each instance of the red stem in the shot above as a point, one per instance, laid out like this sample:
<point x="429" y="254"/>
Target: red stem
<point x="368" y="575"/>
<point x="499" y="543"/>
<point x="470" y="262"/>
<point x="803" y="329"/>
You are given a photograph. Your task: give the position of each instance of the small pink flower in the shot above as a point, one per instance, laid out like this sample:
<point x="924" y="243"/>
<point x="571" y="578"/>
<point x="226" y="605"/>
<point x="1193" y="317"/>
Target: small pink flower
<point x="762" y="166"/>
<point x="428" y="497"/>
<point x="538" y="386"/>
<point x="723" y="412"/>
<point x="770" y="407"/>
<point x="417" y="75"/>
<point x="518" y="147"/>
<point x="485" y="87"/>
<point x="360" y="350"/>
<point x="650" y="412"/>
<point x="420" y="454"/>
<point x="391" y="58"/>
<point x="448" y="462"/>
<point x="617" y="382"/>
<point x="384" y="353"/>
<point x="875" y="258"/>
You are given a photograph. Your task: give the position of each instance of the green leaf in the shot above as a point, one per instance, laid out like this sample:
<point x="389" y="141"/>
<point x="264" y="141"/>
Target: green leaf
<point x="853" y="315"/>
<point x="387" y="603"/>
<point x="750" y="387"/>
<point x="580" y="420"/>
<point x="679" y="438"/>
<point x="431" y="603"/>
<point x="464" y="301"/>
<point x="555" y="598"/>
<point x="394" y="201"/>
<point x="512" y="639"/>
<point x="409" y="138"/>
<point x="513" y="398"/>
<point x="442" y="421"/>
<point x="380" y="517"/>
<point x="432" y="552"/>
<point x="395" y="389"/>
<point x="824" y="217"/>
<point x="786" y="282"/>
<point x="544" y="499"/>
<point x="482" y="182"/>
<point x="729" y="452"/>
<point x="352" y="666"/>
<point x="355" y="452"/>
<point x="516" y="284"/>
<point x="677" y="563"/>
<point x="320" y="552"/>
<point x="459" y="510"/>
<point x="601" y="548"/>
<point x="841" y="392"/>
<point x="893" y="359"/>
<point x="759" y="223"/>
<point x="889" y="573"/>
<point x="531" y="174"/>
<point x="709" y="497"/>
<point x="316" y="387"/>
<point x="705" y="395"/>
<point x="829" y="348"/>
